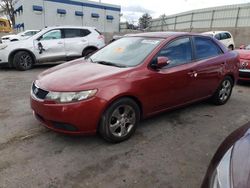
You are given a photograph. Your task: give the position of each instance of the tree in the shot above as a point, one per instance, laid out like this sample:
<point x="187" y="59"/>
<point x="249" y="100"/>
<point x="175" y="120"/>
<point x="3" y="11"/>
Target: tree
<point x="144" y="21"/>
<point x="163" y="18"/>
<point x="8" y="9"/>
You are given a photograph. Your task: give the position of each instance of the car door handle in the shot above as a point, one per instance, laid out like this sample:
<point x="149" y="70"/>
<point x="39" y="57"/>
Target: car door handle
<point x="193" y="74"/>
<point x="60" y="43"/>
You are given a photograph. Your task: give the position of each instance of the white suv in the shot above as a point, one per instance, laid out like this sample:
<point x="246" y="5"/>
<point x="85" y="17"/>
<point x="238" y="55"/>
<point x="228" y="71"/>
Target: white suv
<point x="224" y="37"/>
<point x="20" y="36"/>
<point x="51" y="44"/>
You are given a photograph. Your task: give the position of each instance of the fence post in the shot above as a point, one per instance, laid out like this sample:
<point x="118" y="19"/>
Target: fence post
<point x="237" y="17"/>
<point x="191" y="22"/>
<point x="212" y="20"/>
<point x="175" y="21"/>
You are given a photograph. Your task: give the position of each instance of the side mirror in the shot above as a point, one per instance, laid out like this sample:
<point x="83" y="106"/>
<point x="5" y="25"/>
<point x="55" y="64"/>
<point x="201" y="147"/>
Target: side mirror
<point x="162" y="62"/>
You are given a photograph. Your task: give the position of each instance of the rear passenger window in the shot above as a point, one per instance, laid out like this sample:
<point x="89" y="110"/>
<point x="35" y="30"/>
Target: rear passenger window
<point x="223" y="36"/>
<point x="206" y="48"/>
<point x="73" y="33"/>
<point x="228" y="35"/>
<point x="217" y="36"/>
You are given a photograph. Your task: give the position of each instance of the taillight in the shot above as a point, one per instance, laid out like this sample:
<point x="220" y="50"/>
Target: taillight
<point x="101" y="37"/>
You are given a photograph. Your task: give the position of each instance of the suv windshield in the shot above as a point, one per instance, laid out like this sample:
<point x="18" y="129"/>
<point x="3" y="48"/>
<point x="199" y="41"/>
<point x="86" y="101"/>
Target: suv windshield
<point x="126" y="52"/>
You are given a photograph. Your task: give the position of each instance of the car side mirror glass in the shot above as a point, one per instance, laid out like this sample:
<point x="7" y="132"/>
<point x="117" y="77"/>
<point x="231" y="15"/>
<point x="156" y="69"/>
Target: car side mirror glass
<point x="162" y="61"/>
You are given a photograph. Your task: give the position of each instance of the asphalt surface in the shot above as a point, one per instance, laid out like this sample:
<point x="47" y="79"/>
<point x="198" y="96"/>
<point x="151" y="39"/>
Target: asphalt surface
<point x="169" y="150"/>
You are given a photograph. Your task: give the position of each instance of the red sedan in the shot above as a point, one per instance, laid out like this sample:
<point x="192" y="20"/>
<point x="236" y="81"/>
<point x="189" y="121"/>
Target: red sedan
<point x="133" y="78"/>
<point x="244" y="74"/>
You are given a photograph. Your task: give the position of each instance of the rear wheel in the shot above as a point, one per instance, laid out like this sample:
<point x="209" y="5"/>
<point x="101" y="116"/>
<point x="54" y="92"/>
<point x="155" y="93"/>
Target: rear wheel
<point x="231" y="47"/>
<point x="88" y="52"/>
<point x="120" y="120"/>
<point x="224" y="91"/>
<point x="23" y="61"/>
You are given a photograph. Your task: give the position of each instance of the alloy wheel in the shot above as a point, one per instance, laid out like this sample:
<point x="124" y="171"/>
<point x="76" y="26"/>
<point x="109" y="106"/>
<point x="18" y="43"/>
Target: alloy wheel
<point x="122" y="120"/>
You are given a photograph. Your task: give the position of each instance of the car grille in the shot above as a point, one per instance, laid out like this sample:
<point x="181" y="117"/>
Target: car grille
<point x="38" y="92"/>
<point x="244" y="74"/>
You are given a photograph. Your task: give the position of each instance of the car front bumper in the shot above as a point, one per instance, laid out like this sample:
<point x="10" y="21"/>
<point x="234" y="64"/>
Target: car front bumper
<point x="78" y="118"/>
<point x="244" y="74"/>
<point x="3" y="57"/>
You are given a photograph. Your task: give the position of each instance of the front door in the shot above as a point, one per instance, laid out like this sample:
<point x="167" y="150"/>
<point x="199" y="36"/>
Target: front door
<point x="170" y="85"/>
<point x="50" y="46"/>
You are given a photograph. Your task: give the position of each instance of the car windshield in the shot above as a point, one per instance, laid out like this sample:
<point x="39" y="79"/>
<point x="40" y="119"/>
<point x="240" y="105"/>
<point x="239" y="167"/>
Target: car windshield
<point x="126" y="52"/>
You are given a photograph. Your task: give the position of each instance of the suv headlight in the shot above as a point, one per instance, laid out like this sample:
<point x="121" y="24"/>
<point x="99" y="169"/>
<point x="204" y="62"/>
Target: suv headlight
<point x="2" y="46"/>
<point x="65" y="97"/>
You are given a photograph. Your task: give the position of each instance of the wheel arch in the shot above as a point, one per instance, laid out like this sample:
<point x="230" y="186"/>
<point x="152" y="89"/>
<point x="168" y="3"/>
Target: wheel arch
<point x="92" y="47"/>
<point x="231" y="76"/>
<point x="134" y="98"/>
<point x="12" y="54"/>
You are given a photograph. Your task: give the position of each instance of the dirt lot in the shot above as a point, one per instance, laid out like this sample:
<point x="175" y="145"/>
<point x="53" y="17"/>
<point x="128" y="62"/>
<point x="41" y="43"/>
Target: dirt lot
<point x="169" y="150"/>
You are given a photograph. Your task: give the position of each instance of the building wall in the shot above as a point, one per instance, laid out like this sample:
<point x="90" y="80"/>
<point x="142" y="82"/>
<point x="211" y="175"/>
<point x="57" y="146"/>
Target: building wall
<point x="49" y="16"/>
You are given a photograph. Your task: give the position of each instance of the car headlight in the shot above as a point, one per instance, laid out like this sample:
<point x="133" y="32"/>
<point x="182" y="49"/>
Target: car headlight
<point x="65" y="97"/>
<point x="2" y="46"/>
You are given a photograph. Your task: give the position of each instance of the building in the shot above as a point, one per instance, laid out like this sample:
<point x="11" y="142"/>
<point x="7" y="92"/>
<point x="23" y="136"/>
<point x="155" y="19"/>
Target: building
<point x="37" y="14"/>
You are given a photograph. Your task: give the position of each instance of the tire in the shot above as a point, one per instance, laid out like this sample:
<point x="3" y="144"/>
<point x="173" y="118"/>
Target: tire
<point x="23" y="61"/>
<point x="231" y="47"/>
<point x="120" y="120"/>
<point x="87" y="52"/>
<point x="223" y="93"/>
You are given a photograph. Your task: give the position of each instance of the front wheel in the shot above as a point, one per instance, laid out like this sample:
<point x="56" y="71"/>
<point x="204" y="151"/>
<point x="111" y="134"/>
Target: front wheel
<point x="224" y="91"/>
<point x="120" y="120"/>
<point x="23" y="61"/>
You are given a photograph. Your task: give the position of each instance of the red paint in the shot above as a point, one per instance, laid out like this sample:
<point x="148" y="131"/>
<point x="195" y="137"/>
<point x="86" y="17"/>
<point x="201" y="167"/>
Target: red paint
<point x="155" y="90"/>
<point x="244" y="65"/>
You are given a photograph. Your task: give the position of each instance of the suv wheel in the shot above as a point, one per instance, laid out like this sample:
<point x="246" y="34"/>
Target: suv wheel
<point x="120" y="120"/>
<point x="231" y="47"/>
<point x="224" y="91"/>
<point x="23" y="61"/>
<point x="88" y="52"/>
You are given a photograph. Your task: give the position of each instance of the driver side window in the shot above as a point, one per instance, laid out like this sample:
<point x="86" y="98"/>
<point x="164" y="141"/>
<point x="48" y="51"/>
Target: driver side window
<point x="52" y="35"/>
<point x="178" y="52"/>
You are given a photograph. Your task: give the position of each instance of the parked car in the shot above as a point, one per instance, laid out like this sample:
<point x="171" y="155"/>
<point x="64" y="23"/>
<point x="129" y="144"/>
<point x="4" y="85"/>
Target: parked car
<point x="51" y="44"/>
<point x="245" y="47"/>
<point x="115" y="37"/>
<point x="20" y="36"/>
<point x="224" y="37"/>
<point x="244" y="72"/>
<point x="230" y="166"/>
<point x="133" y="78"/>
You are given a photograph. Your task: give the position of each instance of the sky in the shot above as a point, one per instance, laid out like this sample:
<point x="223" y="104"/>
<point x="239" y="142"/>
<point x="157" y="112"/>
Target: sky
<point x="133" y="9"/>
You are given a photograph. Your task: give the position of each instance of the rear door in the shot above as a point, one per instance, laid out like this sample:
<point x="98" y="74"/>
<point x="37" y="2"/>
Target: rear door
<point x="75" y="41"/>
<point x="206" y="71"/>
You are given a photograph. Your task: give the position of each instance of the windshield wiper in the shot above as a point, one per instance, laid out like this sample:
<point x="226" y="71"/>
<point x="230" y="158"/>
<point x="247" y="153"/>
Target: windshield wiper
<point x="110" y="64"/>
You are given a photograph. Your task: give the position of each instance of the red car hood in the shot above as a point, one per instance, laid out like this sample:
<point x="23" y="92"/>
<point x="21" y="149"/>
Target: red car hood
<point x="79" y="75"/>
<point x="244" y="54"/>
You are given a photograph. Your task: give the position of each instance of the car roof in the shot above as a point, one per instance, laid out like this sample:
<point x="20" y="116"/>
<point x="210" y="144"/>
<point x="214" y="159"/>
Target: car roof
<point x="70" y="27"/>
<point x="158" y="34"/>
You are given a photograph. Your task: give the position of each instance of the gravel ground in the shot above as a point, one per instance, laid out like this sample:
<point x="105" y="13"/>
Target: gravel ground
<point x="169" y="150"/>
